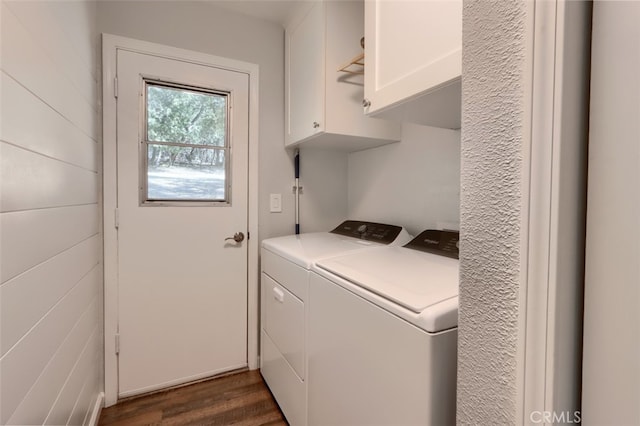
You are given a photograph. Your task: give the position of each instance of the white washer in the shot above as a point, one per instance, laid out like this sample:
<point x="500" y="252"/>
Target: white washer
<point x="382" y="335"/>
<point x="286" y="263"/>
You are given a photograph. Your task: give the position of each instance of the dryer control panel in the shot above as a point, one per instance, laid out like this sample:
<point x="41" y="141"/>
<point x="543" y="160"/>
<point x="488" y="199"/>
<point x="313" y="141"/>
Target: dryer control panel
<point x="371" y="231"/>
<point x="444" y="243"/>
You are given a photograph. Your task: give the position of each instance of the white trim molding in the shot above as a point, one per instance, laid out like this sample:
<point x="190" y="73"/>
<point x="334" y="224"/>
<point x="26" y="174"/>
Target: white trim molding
<point x="94" y="415"/>
<point x="553" y="223"/>
<point x="110" y="46"/>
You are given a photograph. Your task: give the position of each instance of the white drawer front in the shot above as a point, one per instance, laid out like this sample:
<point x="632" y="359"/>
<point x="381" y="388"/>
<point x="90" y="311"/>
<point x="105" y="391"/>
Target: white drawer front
<point x="284" y="322"/>
<point x="287" y="388"/>
<point x="286" y="273"/>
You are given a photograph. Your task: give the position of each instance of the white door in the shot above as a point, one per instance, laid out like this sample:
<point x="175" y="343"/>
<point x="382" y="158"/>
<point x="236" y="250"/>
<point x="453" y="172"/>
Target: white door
<point x="182" y="169"/>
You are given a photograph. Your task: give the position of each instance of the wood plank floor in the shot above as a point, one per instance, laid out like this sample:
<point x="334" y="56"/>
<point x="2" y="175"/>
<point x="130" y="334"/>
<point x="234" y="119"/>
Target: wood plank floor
<point x="238" y="399"/>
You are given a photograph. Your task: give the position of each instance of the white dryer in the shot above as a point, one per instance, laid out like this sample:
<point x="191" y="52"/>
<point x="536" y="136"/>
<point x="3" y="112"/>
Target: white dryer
<point x="382" y="333"/>
<point x="286" y="264"/>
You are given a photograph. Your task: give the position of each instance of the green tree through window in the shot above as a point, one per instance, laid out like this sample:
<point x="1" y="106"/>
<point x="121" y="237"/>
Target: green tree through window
<point x="186" y="137"/>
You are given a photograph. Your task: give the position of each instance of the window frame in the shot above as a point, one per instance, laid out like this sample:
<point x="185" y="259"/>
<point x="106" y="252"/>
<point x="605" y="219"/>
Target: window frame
<point x="143" y="162"/>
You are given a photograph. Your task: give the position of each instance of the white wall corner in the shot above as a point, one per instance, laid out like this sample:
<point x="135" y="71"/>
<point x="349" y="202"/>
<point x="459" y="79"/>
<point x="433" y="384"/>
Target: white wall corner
<point x="496" y="131"/>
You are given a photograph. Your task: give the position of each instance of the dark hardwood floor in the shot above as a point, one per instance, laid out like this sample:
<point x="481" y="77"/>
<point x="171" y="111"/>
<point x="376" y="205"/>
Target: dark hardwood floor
<point x="237" y="399"/>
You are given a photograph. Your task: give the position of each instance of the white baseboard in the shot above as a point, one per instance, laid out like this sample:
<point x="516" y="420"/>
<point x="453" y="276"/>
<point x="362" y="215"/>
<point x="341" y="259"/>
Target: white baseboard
<point x="97" y="409"/>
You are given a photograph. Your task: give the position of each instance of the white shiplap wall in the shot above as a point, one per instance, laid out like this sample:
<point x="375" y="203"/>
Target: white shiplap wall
<point x="50" y="233"/>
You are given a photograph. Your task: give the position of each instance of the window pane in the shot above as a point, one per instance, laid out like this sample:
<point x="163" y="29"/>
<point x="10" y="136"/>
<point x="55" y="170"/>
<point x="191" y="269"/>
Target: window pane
<point x="179" y="173"/>
<point x="185" y="116"/>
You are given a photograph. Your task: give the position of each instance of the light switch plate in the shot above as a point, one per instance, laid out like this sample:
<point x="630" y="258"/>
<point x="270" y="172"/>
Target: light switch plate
<point x="275" y="203"/>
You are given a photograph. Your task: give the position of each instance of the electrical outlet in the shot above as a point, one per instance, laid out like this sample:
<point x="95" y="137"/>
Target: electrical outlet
<point x="275" y="203"/>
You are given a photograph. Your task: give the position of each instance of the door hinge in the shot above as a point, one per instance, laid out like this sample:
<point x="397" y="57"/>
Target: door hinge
<point x="116" y="218"/>
<point x="117" y="344"/>
<point x="115" y="87"/>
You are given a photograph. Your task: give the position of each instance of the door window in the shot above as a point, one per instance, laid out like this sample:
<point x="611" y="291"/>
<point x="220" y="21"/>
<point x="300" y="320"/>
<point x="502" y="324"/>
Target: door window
<point x="185" y="145"/>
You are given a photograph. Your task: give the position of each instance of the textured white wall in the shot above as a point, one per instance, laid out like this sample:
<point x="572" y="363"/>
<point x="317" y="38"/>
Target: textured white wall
<point x="414" y="183"/>
<point x="493" y="127"/>
<point x="611" y="369"/>
<point x="203" y="27"/>
<point x="50" y="260"/>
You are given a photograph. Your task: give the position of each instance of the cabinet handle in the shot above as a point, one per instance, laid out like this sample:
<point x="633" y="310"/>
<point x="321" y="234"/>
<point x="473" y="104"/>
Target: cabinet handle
<point x="366" y="103"/>
<point x="278" y="294"/>
<point x="316" y="124"/>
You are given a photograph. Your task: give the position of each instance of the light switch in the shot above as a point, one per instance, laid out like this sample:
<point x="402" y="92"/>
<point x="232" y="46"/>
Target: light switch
<point x="275" y="203"/>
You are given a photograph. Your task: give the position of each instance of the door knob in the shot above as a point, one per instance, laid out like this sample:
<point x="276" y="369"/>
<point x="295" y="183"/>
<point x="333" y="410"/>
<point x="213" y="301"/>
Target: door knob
<point x="238" y="237"/>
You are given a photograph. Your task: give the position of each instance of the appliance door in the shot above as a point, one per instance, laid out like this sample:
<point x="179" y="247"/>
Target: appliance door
<point x="369" y="367"/>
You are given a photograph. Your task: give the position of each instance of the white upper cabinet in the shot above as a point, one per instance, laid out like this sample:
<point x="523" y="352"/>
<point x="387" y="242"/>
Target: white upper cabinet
<point x="323" y="106"/>
<point x="413" y="54"/>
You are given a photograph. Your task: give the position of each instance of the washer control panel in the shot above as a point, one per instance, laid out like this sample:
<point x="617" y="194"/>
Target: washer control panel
<point x="444" y="243"/>
<point x="378" y="232"/>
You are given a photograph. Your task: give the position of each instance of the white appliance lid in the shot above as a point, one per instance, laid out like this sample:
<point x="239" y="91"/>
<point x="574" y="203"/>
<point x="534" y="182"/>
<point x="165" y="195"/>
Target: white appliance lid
<point x="304" y="249"/>
<point x="413" y="279"/>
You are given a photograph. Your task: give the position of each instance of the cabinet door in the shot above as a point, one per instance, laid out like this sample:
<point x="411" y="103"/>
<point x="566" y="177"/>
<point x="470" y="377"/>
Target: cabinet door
<point x="412" y="47"/>
<point x="305" y="75"/>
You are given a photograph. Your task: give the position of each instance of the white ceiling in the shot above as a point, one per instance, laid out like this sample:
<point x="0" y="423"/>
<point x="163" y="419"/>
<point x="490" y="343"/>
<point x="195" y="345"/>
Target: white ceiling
<point x="278" y="11"/>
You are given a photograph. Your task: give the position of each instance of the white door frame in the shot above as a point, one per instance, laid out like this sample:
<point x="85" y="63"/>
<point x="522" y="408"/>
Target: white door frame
<point x="554" y="194"/>
<point x="110" y="45"/>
